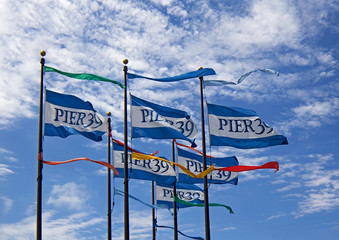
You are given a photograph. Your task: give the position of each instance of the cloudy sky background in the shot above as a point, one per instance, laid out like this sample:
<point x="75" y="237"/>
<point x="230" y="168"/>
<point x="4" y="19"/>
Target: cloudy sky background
<point x="164" y="38"/>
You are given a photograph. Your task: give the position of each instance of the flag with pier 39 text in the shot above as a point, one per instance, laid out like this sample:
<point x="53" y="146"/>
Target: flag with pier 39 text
<point x="66" y="115"/>
<point x="187" y="192"/>
<point x="194" y="163"/>
<point x="159" y="122"/>
<point x="240" y="128"/>
<point x="149" y="169"/>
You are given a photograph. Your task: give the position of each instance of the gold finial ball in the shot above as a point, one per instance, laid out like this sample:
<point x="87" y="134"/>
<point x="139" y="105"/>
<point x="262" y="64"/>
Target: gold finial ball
<point x="43" y="53"/>
<point x="125" y="61"/>
<point x="200" y="68"/>
<point x="109" y="114"/>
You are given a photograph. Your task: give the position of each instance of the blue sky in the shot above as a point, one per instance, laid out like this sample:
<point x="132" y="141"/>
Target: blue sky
<point x="164" y="38"/>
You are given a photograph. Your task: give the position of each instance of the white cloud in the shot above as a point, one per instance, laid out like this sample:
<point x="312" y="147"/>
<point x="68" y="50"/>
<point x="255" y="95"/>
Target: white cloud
<point x="228" y="229"/>
<point x="104" y="34"/>
<point x="7" y="204"/>
<point x="5" y="170"/>
<point x="72" y="227"/>
<point x="316" y="188"/>
<point x="70" y="195"/>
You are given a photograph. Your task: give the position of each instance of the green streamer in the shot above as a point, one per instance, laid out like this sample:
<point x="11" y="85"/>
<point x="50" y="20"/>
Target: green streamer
<point x="83" y="76"/>
<point x="202" y="205"/>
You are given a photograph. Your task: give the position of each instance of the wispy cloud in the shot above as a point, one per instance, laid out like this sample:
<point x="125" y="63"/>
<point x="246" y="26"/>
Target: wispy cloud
<point x="316" y="187"/>
<point x="5" y="170"/>
<point x="70" y="227"/>
<point x="7" y="204"/>
<point x="70" y="195"/>
<point x="228" y="229"/>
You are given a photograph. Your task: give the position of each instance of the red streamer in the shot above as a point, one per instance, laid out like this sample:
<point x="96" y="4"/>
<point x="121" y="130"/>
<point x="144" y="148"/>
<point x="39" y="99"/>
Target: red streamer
<point x="191" y="148"/>
<point x="241" y="168"/>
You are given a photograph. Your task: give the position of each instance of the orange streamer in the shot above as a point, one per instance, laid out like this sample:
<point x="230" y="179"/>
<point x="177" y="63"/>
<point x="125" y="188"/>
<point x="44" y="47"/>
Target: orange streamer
<point x="86" y="159"/>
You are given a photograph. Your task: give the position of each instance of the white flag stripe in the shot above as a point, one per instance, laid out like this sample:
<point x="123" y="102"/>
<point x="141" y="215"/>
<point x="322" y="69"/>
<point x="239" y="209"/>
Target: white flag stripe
<point x="79" y="119"/>
<point x="239" y="127"/>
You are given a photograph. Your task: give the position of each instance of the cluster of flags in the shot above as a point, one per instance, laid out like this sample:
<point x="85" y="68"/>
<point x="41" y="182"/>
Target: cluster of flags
<point x="66" y="115"/>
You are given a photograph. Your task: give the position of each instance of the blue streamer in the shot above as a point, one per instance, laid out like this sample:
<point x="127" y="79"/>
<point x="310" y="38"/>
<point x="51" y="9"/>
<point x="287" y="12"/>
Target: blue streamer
<point x="224" y="82"/>
<point x="195" y="74"/>
<point x="156" y="225"/>
<point x="121" y="193"/>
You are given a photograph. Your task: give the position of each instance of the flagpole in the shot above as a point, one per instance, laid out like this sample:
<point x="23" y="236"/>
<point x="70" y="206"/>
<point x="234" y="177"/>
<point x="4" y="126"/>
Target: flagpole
<point x="126" y="211"/>
<point x="207" y="217"/>
<point x="39" y="178"/>
<point x="153" y="213"/>
<point x="109" y="208"/>
<point x="175" y="219"/>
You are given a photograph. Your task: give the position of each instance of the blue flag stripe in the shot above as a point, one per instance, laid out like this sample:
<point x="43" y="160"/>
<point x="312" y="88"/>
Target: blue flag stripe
<point x="162" y="110"/>
<point x="249" y="143"/>
<point x="230" y="111"/>
<point x="67" y="101"/>
<point x="195" y="74"/>
<point x="64" y="132"/>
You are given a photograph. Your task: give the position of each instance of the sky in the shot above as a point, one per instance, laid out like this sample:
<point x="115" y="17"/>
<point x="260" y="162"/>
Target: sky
<point x="162" y="38"/>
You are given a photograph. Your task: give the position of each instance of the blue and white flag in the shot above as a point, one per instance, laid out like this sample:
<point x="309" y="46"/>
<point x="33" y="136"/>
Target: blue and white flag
<point x="195" y="74"/>
<point x="187" y="192"/>
<point x="66" y="115"/>
<point x="158" y="122"/>
<point x="194" y="163"/>
<point x="151" y="169"/>
<point x="240" y="128"/>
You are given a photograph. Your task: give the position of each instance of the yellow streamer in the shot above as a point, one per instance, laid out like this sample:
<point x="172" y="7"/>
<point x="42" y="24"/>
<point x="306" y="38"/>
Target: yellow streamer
<point x="140" y="156"/>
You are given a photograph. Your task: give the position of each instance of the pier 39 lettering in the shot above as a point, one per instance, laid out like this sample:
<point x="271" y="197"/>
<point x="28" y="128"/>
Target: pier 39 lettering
<point x="142" y="169"/>
<point x="147" y="116"/>
<point x="79" y="119"/>
<point x="240" y="126"/>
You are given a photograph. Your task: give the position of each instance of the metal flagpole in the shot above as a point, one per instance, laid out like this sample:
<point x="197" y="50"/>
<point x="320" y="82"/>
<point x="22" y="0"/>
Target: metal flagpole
<point x="39" y="178"/>
<point x="207" y="217"/>
<point x="109" y="206"/>
<point x="153" y="214"/>
<point x="126" y="211"/>
<point x="175" y="219"/>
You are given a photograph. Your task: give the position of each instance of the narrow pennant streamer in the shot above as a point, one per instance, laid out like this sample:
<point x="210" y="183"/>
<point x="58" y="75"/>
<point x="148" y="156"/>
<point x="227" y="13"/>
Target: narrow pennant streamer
<point x="140" y="156"/>
<point x="85" y="159"/>
<point x="224" y="82"/>
<point x="202" y="205"/>
<point x="241" y="168"/>
<point x="121" y="144"/>
<point x="83" y="76"/>
<point x="158" y="226"/>
<point x="179" y="144"/>
<point x="195" y="74"/>
<point x="121" y="193"/>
